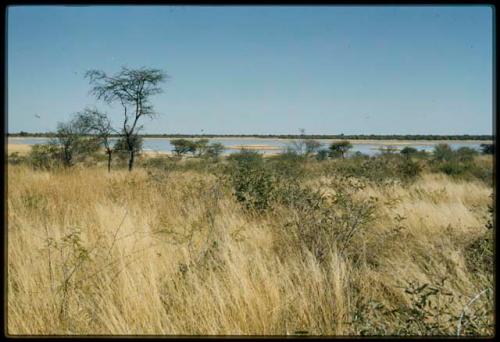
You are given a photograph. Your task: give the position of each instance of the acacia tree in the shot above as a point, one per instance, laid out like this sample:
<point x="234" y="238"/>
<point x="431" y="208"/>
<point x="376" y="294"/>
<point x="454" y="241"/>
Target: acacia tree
<point x="183" y="146"/>
<point x="132" y="88"/>
<point x="215" y="149"/>
<point x="201" y="146"/>
<point x="408" y="151"/>
<point x="340" y="147"/>
<point x="99" y="124"/>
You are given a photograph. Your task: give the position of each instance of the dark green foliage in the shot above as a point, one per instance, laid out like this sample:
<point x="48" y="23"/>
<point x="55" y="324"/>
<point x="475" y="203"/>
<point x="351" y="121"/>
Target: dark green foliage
<point x="288" y="164"/>
<point x="408" y="151"/>
<point x="251" y="181"/>
<point x="442" y="152"/>
<point x="465" y="154"/>
<point x="487" y="148"/>
<point x="378" y="169"/>
<point x="409" y="169"/>
<point x="183" y="146"/>
<point x="214" y="150"/>
<point x="44" y="156"/>
<point x="340" y="148"/>
<point x="322" y="155"/>
<point x="452" y="168"/>
<point x="480" y="253"/>
<point x="200" y="146"/>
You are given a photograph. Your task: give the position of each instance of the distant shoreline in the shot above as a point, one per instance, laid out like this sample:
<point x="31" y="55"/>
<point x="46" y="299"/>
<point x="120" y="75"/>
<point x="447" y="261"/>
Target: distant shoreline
<point x="357" y="141"/>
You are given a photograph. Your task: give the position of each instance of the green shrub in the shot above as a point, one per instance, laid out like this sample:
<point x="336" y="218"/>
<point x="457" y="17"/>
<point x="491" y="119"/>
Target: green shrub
<point x="408" y="151"/>
<point x="430" y="312"/>
<point x="214" y="150"/>
<point x="378" y="169"/>
<point x="442" y="153"/>
<point x="288" y="164"/>
<point x="465" y="154"/>
<point x="487" y="148"/>
<point x="252" y="184"/>
<point x="44" y="156"/>
<point x="322" y="155"/>
<point x="183" y="146"/>
<point x="317" y="225"/>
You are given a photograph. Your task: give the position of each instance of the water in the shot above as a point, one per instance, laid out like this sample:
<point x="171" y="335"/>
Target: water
<point x="276" y="145"/>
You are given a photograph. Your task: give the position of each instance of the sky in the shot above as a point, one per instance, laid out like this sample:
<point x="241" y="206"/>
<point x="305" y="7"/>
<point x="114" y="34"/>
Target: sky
<point x="260" y="70"/>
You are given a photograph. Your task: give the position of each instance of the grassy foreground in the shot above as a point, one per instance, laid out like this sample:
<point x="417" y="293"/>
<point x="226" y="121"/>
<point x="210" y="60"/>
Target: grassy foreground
<point x="175" y="252"/>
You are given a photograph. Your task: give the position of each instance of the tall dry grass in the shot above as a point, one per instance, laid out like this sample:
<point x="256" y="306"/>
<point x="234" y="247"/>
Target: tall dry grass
<point x="128" y="253"/>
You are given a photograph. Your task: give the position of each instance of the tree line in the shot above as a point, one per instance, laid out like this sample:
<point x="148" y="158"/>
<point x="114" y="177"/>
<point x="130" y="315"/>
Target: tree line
<point x="290" y="136"/>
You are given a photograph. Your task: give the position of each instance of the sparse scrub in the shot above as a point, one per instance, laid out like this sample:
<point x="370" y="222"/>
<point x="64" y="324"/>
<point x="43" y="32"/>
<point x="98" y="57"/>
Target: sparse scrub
<point x="249" y="245"/>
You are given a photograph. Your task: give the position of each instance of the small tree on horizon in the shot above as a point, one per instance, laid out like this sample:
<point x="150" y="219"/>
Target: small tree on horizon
<point x="183" y="146"/>
<point x="201" y="146"/>
<point x="408" y="151"/>
<point x="215" y="149"/>
<point x="340" y="148"/>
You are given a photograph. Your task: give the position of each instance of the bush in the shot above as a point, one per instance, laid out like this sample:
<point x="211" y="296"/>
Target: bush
<point x="252" y="184"/>
<point x="465" y="154"/>
<point x="452" y="168"/>
<point x="442" y="152"/>
<point x="322" y="155"/>
<point x="377" y="169"/>
<point x="408" y="151"/>
<point x="44" y="156"/>
<point x="288" y="164"/>
<point x="409" y="169"/>
<point x="317" y="223"/>
<point x="214" y="150"/>
<point x="487" y="148"/>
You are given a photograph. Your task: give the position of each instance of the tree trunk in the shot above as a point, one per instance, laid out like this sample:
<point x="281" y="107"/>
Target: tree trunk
<point x="109" y="161"/>
<point x="131" y="161"/>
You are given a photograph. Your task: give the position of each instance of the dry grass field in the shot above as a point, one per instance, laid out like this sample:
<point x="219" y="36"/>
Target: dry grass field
<point x="92" y="252"/>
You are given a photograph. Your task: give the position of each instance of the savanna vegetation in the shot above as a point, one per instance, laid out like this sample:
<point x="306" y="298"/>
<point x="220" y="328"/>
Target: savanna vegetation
<point x="307" y="242"/>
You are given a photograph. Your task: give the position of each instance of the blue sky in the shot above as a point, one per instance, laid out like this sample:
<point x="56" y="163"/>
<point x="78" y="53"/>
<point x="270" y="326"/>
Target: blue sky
<point x="262" y="70"/>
